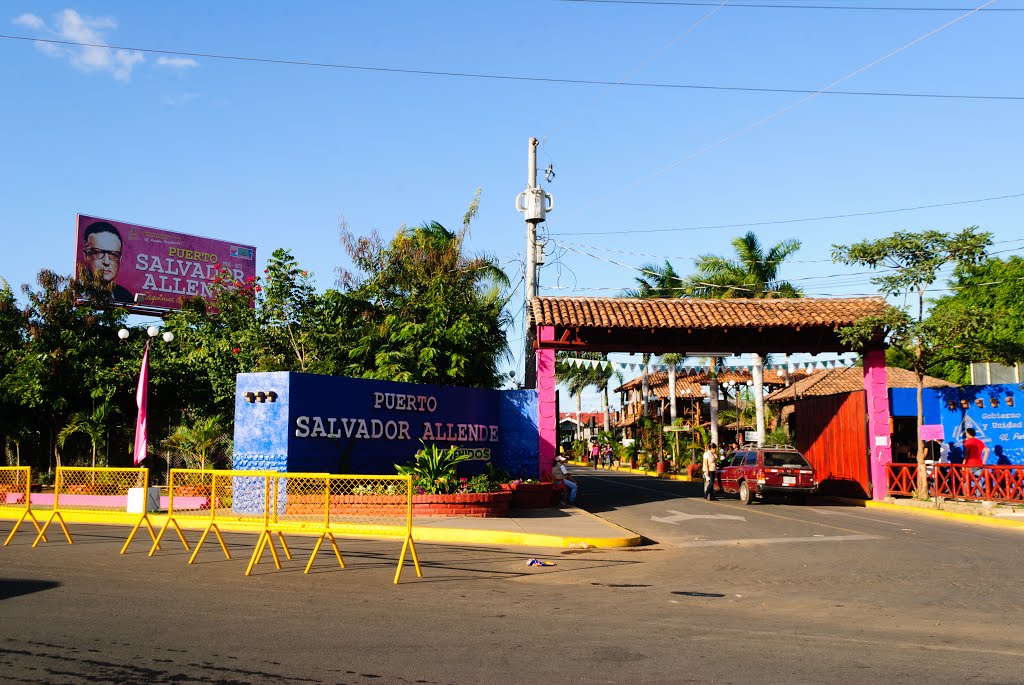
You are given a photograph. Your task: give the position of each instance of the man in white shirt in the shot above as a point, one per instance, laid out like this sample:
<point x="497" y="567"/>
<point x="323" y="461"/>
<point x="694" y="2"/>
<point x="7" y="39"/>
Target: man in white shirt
<point x="710" y="467"/>
<point x="560" y="474"/>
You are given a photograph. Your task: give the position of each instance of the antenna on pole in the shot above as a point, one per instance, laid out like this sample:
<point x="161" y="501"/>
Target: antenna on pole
<point x="534" y="203"/>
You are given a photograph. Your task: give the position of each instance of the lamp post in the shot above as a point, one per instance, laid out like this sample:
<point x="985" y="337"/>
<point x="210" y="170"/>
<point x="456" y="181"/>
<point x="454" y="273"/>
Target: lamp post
<point x="141" y="392"/>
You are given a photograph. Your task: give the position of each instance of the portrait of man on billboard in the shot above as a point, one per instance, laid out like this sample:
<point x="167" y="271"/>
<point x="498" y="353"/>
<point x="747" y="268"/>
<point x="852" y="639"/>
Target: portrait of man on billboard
<point x="102" y="252"/>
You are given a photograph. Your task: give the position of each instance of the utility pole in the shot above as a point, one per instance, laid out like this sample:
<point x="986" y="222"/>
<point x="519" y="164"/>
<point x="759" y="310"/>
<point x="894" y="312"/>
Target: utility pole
<point x="534" y="203"/>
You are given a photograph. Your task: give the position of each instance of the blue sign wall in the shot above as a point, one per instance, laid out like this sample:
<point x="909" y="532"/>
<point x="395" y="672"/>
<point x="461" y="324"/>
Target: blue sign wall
<point x="308" y="423"/>
<point x="994" y="411"/>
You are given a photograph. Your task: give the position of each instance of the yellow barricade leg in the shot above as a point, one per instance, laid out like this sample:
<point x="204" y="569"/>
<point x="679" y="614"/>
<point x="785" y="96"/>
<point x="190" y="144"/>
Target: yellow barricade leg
<point x="266" y="540"/>
<point x="284" y="545"/>
<point x="149" y="526"/>
<point x="28" y="514"/>
<point x="181" y="536"/>
<point x="199" y="545"/>
<point x="316" y="549"/>
<point x="60" y="520"/>
<point x="256" y="553"/>
<point x="411" y="546"/>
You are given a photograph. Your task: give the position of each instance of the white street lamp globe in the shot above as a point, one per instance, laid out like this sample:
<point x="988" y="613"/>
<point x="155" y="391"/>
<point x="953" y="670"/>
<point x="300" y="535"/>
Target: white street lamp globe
<point x="123" y="334"/>
<point x="153" y="331"/>
<point x="168" y="336"/>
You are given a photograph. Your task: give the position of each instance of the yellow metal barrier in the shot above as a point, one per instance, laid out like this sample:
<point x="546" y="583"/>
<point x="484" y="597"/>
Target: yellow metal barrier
<point x="15" y="486"/>
<point x="217" y="497"/>
<point x="277" y="504"/>
<point x="99" y="491"/>
<point x="379" y="506"/>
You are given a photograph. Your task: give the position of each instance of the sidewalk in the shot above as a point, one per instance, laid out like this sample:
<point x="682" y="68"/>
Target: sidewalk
<point x="1002" y="515"/>
<point x="567" y="527"/>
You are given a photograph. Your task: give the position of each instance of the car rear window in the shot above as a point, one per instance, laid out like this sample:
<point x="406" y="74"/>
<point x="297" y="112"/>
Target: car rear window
<point x="785" y="459"/>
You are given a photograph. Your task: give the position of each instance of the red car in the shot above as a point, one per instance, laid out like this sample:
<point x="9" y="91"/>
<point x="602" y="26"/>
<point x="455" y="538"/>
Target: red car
<point x="770" y="470"/>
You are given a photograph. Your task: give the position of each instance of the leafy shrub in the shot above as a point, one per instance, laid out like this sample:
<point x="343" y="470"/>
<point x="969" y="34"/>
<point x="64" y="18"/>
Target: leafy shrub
<point x="434" y="470"/>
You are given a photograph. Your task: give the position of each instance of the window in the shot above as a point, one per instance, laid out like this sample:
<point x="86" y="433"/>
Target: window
<point x="751" y="459"/>
<point x="785" y="460"/>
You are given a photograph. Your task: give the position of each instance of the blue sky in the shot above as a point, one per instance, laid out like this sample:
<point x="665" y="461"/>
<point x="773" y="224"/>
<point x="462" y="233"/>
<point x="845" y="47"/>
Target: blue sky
<point x="274" y="155"/>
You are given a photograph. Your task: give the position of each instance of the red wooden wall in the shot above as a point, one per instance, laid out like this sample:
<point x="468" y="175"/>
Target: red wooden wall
<point x="832" y="433"/>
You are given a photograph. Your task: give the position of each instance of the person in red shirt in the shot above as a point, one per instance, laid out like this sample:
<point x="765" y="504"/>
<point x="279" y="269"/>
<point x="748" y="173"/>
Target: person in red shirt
<point x="975" y="451"/>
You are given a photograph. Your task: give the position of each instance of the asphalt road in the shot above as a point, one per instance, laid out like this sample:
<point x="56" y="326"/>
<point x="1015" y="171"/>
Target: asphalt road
<point x="724" y="593"/>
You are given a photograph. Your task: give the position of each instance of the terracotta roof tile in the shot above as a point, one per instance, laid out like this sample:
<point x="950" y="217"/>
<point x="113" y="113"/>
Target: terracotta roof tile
<point x="836" y="381"/>
<point x="658" y="381"/>
<point x="625" y="312"/>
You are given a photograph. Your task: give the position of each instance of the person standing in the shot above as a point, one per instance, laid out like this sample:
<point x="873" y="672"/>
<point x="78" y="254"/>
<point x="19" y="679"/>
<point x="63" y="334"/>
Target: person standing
<point x="975" y="454"/>
<point x="710" y="470"/>
<point x="595" y="453"/>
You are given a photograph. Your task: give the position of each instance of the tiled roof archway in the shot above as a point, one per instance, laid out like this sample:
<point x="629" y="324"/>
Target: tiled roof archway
<point x="690" y="326"/>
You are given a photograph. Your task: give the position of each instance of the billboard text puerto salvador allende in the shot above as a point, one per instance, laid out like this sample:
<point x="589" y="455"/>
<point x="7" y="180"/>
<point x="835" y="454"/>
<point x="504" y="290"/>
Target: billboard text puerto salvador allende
<point x="372" y="425"/>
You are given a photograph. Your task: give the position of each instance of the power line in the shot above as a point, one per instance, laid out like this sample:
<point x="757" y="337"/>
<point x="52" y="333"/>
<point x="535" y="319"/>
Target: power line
<point x="778" y="222"/>
<point x="514" y="77"/>
<point x="830" y="87"/>
<point x="691" y="258"/>
<point x="750" y="5"/>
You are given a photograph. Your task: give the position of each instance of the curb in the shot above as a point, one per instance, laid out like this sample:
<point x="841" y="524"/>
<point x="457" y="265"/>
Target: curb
<point x="978" y="519"/>
<point x="625" y="538"/>
<point x="497" y="537"/>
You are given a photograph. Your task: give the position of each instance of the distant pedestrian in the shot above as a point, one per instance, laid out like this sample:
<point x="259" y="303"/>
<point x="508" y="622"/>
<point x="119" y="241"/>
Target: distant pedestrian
<point x="710" y="470"/>
<point x="595" y="453"/>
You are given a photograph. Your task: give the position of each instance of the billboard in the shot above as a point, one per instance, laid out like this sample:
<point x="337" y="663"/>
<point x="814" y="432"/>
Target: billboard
<point x="163" y="267"/>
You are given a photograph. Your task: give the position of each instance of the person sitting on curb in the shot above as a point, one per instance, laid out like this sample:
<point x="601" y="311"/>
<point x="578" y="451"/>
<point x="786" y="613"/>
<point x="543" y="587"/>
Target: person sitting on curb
<point x="560" y="474"/>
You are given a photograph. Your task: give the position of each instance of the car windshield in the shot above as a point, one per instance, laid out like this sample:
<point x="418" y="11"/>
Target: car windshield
<point x="785" y="459"/>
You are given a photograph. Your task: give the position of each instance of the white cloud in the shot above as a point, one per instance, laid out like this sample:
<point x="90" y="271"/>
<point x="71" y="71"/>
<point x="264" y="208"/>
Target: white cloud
<point x="30" y="21"/>
<point x="71" y="26"/>
<point x="177" y="62"/>
<point x="179" y="100"/>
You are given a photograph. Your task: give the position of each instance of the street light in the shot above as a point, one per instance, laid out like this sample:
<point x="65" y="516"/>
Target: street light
<point x="142" y="392"/>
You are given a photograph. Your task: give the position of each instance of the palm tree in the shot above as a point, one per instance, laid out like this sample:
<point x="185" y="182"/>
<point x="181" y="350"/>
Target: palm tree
<point x="754" y="273"/>
<point x="93" y="426"/>
<point x="198" y="441"/>
<point x="658" y="281"/>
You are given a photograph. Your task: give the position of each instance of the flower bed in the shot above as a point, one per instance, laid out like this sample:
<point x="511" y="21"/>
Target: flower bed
<point x="529" y="495"/>
<point x="482" y="504"/>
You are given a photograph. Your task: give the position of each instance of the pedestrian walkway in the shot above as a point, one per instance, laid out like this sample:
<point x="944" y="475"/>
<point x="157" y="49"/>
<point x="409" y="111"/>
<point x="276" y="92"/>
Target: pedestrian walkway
<point x="983" y="513"/>
<point x="567" y="527"/>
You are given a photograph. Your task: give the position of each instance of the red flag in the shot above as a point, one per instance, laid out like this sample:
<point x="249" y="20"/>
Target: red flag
<point x="140" y="400"/>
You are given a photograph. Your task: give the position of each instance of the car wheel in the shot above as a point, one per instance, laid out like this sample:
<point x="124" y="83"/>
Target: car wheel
<point x="746" y="496"/>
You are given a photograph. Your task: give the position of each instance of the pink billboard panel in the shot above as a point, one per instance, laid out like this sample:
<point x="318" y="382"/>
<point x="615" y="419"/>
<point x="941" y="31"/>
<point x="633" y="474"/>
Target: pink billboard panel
<point x="163" y="266"/>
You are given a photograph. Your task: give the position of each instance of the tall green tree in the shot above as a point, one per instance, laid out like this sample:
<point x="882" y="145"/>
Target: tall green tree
<point x="66" y="359"/>
<point x="912" y="262"/>
<point x="753" y="272"/>
<point x="995" y="288"/>
<point x="428" y="311"/>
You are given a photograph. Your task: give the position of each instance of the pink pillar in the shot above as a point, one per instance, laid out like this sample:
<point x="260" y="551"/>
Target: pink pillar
<point x="877" y="394"/>
<point x="547" y="421"/>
